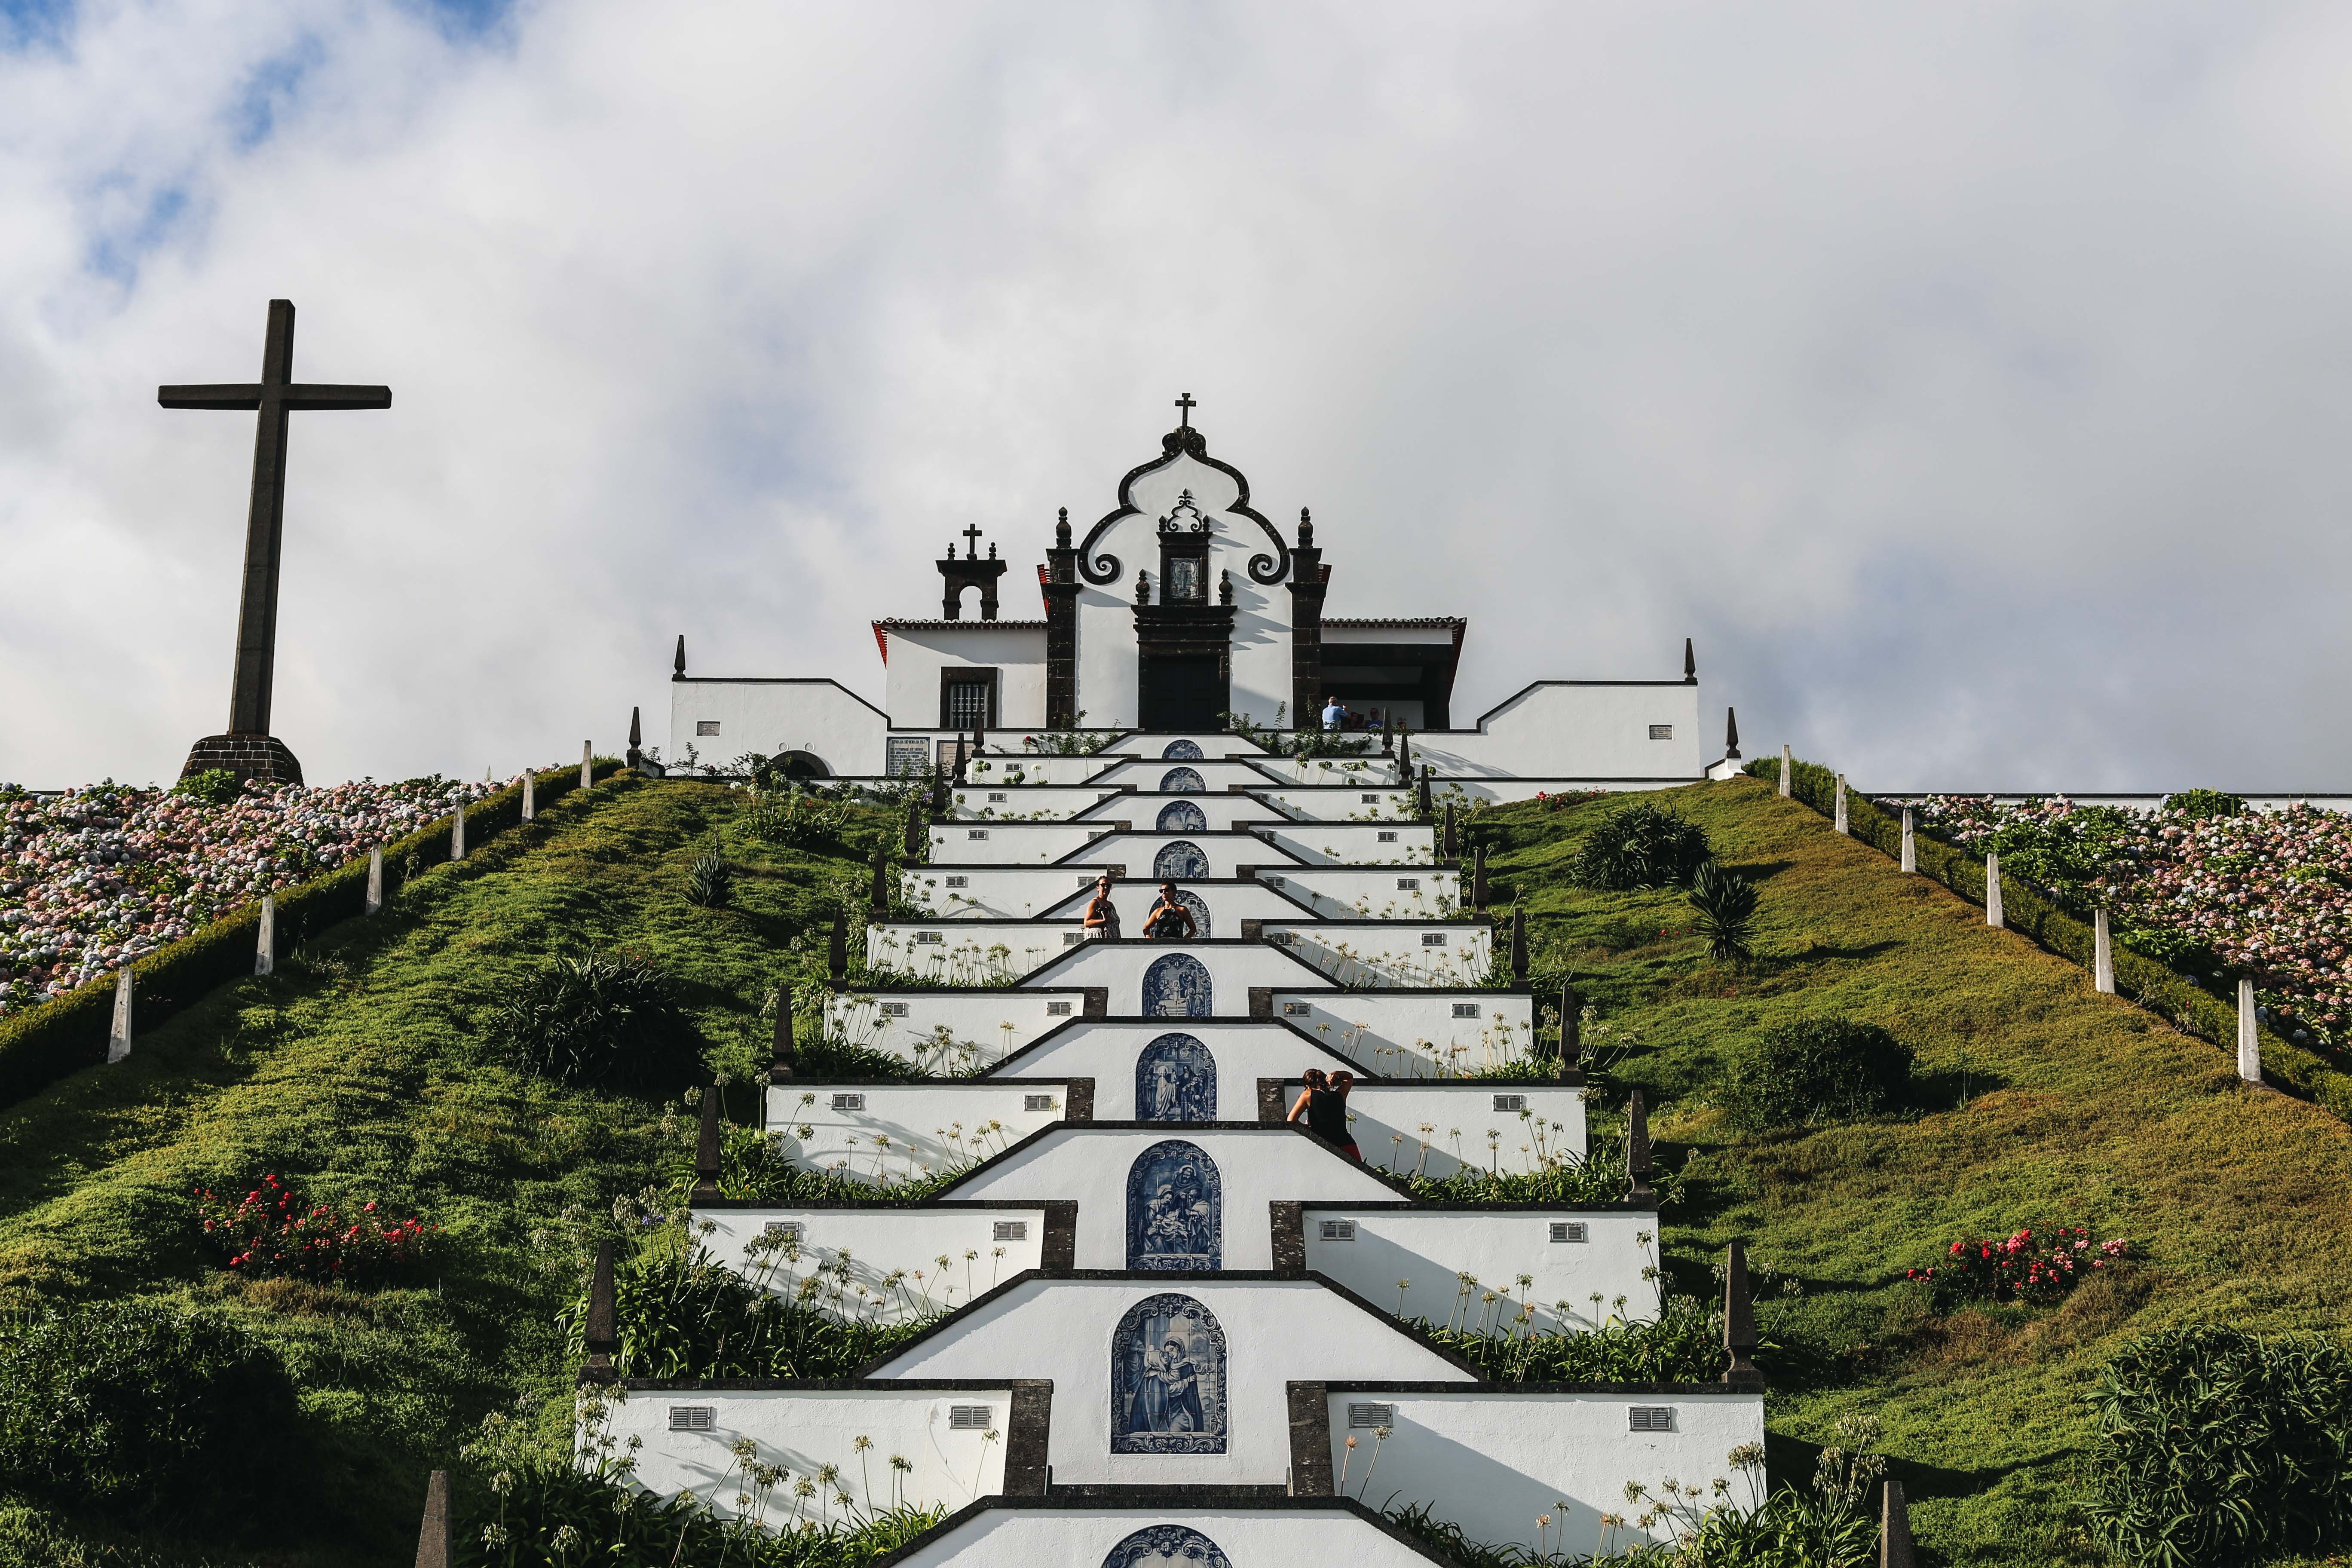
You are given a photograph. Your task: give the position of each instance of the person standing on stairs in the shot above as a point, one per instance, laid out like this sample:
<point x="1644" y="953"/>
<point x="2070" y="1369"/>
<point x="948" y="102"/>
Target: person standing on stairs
<point x="1324" y="1104"/>
<point x="1169" y="921"/>
<point x="1102" y="915"/>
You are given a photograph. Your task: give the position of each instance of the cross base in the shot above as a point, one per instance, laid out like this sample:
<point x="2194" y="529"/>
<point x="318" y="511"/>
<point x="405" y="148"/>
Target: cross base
<point x="262" y="757"/>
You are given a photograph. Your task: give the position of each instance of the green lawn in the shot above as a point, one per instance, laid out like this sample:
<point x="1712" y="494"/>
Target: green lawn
<point x="363" y="1069"/>
<point x="2038" y="1102"/>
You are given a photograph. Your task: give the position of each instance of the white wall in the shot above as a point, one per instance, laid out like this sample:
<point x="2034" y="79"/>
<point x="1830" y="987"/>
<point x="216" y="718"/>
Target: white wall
<point x="1563" y="730"/>
<point x="1005" y="756"/>
<point x="1138" y="850"/>
<point x="1405" y="1034"/>
<point x="1145" y="772"/>
<point x="984" y="799"/>
<point x="1491" y="1462"/>
<point x="967" y="952"/>
<point x="1276" y="1331"/>
<point x="970" y="892"/>
<point x="1369" y="803"/>
<point x="930" y="1127"/>
<point x="1010" y="843"/>
<point x="820" y="717"/>
<point x="982" y="1025"/>
<point x="1356" y="844"/>
<point x="879" y="1265"/>
<point x="1258" y="1166"/>
<point x="1232" y="970"/>
<point x="1107" y="1052"/>
<point x="805" y="1429"/>
<point x="1433" y="1248"/>
<point x="1363" y="771"/>
<point x="1225" y="812"/>
<point x="1390" y="952"/>
<point x="1371" y="891"/>
<point x="1229" y="903"/>
<point x="1084" y="1537"/>
<point x="1459" y="1114"/>
<point x="1018" y="653"/>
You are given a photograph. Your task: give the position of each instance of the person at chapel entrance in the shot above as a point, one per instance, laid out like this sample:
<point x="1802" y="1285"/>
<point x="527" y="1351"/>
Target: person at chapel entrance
<point x="1324" y="1104"/>
<point x="1334" y="714"/>
<point x="1169" y="921"/>
<point x="1102" y="915"/>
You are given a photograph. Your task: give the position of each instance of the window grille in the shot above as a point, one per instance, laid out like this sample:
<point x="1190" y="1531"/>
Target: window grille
<point x="1433" y="939"/>
<point x="1466" y="1009"/>
<point x="894" y="1009"/>
<point x="1371" y="1415"/>
<point x="1338" y="1230"/>
<point x="1513" y="1103"/>
<point x="705" y="726"/>
<point x="1568" y="1230"/>
<point x="784" y="1230"/>
<point x="930" y="938"/>
<point x="1387" y="835"/>
<point x="849" y="1102"/>
<point x="959" y="881"/>
<point x="1057" y="1009"/>
<point x="975" y="832"/>
<point x="1408" y="884"/>
<point x="997" y="799"/>
<point x="1038" y="1102"/>
<point x="1651" y="1418"/>
<point x="1370" y="799"/>
<point x="693" y="1418"/>
<point x="1662" y="732"/>
<point x="969" y="1418"/>
<point x="1298" y="1009"/>
<point x="967" y="704"/>
<point x="1073" y="938"/>
<point x="1013" y="1230"/>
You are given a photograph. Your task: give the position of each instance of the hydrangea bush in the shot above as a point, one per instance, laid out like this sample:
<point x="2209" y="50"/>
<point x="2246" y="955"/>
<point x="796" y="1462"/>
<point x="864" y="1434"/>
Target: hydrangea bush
<point x="93" y="879"/>
<point x="2211" y="890"/>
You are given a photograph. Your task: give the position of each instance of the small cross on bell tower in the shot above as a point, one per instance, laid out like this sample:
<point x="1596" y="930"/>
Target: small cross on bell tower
<point x="1184" y="406"/>
<point x="969" y="573"/>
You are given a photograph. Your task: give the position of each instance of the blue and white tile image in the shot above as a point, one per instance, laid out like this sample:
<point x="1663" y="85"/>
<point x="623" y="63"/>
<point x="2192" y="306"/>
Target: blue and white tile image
<point x="1198" y="906"/>
<point x="1167" y="1384"/>
<point x="1175" y="1081"/>
<point x="1179" y="858"/>
<point x="1167" y="1546"/>
<point x="1175" y="1208"/>
<point x="1176" y="986"/>
<point x="1182" y="781"/>
<point x="1181" y="817"/>
<point x="1181" y="752"/>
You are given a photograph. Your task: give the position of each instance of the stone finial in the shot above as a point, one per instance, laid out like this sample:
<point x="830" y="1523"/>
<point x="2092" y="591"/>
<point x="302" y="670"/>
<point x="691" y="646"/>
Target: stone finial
<point x="1738" y="1316"/>
<point x="915" y="836"/>
<point x="979" y="742"/>
<point x="1518" y="945"/>
<point x="677" y="665"/>
<point x="958" y="774"/>
<point x="1224" y="587"/>
<point x="600" y="1333"/>
<point x="1388" y="734"/>
<point x="1423" y="802"/>
<point x="1690" y="663"/>
<point x="1993" y="916"/>
<point x="781" y="1062"/>
<point x="374" y="902"/>
<point x="1637" y="1145"/>
<point x="1731" y="735"/>
<point x="1306" y="529"/>
<point x="636" y="734"/>
<point x="836" y="953"/>
<point x="879" y="899"/>
<point x="1895" y="1529"/>
<point x="707" y="1149"/>
<point x="1478" y="877"/>
<point x="1062" y="530"/>
<point x="1450" y="846"/>
<point x="1142" y="587"/>
<point x="2249" y="1043"/>
<point x="530" y="796"/>
<point x="1571" y="1027"/>
<point x="118" y="1034"/>
<point x="587" y="763"/>
<point x="938" y="793"/>
<point x="265" y="946"/>
<point x="433" y="1534"/>
<point x="1910" y="861"/>
<point x="1785" y="769"/>
<point x="2103" y="954"/>
<point x="1840" y="820"/>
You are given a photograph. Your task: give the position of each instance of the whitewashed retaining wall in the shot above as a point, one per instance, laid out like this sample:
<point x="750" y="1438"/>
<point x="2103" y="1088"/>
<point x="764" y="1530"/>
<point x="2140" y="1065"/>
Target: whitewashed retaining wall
<point x="1011" y="843"/>
<point x="968" y="953"/>
<point x="1492" y="1461"/>
<point x="947" y="1032"/>
<point x="1372" y="802"/>
<point x="1363" y="771"/>
<point x="805" y="1429"/>
<point x="1406" y="1033"/>
<point x="854" y="1252"/>
<point x="1374" y="1248"/>
<point x="930" y="1127"/>
<point x="1274" y="1332"/>
<point x="1222" y="811"/>
<point x="820" y="717"/>
<point x="1003" y="759"/>
<point x="1139" y="851"/>
<point x="1107" y="1051"/>
<point x="1355" y="843"/>
<point x="1258" y="1166"/>
<point x="1230" y="903"/>
<point x="1459" y="1113"/>
<point x="1389" y="953"/>
<point x="1146" y="773"/>
<point x="1234" y="966"/>
<point x="965" y="890"/>
<point x="1371" y="892"/>
<point x="1010" y="801"/>
<point x="1084" y="1537"/>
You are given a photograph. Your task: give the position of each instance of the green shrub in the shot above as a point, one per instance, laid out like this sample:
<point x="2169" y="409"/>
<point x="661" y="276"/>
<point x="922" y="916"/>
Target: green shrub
<point x="144" y="1413"/>
<point x="2217" y="1446"/>
<point x="709" y="882"/>
<point x="607" y="1020"/>
<point x="1725" y="902"/>
<point x="213" y="787"/>
<point x="1640" y="846"/>
<point x="1812" y="1070"/>
<point x="1684" y="1344"/>
<point x="2205" y="803"/>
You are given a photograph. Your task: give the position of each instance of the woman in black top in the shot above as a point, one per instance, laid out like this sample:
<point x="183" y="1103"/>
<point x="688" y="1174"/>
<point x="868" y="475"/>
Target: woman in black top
<point x="1169" y="918"/>
<point x="1324" y="1104"/>
<point x="1102" y="915"/>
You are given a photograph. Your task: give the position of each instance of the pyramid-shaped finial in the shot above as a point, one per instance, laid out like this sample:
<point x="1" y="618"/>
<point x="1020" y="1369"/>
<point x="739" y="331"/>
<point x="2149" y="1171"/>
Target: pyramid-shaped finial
<point x="706" y="1148"/>
<point x="677" y="666"/>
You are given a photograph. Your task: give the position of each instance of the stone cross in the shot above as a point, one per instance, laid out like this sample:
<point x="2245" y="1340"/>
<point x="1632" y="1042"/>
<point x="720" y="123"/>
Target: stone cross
<point x="117" y="1037"/>
<point x="1840" y="804"/>
<point x="265" y="948"/>
<point x="2249" y="1045"/>
<point x="1992" y="892"/>
<point x="1184" y="406"/>
<point x="275" y="396"/>
<point x="2102" y="955"/>
<point x="1784" y="772"/>
<point x="375" y="879"/>
<point x="1910" y="845"/>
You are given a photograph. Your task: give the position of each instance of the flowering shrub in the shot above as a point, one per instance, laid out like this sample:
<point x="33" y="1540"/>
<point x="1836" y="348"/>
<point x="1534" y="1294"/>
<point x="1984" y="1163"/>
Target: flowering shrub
<point x="2196" y="885"/>
<point x="272" y="1231"/>
<point x="95" y="877"/>
<point x="2022" y="1268"/>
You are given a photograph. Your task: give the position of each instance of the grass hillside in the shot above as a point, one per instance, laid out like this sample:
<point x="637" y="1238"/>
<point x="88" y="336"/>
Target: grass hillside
<point x="2036" y="1101"/>
<point x="363" y="1069"/>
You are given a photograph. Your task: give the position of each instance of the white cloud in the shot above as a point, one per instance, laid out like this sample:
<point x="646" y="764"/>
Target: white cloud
<point x="1968" y="381"/>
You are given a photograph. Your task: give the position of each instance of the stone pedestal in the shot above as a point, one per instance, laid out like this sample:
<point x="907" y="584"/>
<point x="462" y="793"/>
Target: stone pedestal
<point x="1993" y="916"/>
<point x="1910" y="843"/>
<point x="2250" y="1043"/>
<point x="2103" y="954"/>
<point x="262" y="757"/>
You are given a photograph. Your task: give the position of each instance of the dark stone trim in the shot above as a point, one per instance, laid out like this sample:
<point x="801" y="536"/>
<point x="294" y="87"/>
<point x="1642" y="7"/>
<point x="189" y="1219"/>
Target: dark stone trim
<point x="846" y="1206"/>
<point x="1101" y="570"/>
<point x="1420" y="1205"/>
<point x="1289" y="1239"/>
<point x="1028" y="1426"/>
<point x="1310" y="580"/>
<point x="1098" y="1003"/>
<point x="964" y="674"/>
<point x="816" y="1385"/>
<point x="1310" y="1439"/>
<point x="1077" y="1100"/>
<point x="1163" y="1500"/>
<point x="1102" y="1494"/>
<point x="1253" y="930"/>
<point x="1261" y="1004"/>
<point x="1181" y="631"/>
<point x="1269" y="1101"/>
<point x="1678" y="1390"/>
<point x="262" y="757"/>
<point x="1059" y="1253"/>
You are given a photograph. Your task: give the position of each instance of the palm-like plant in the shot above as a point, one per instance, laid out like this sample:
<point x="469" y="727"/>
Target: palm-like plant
<point x="1725" y="902"/>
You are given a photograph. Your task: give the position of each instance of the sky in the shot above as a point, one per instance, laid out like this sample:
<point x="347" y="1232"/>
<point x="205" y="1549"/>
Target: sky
<point x="1972" y="383"/>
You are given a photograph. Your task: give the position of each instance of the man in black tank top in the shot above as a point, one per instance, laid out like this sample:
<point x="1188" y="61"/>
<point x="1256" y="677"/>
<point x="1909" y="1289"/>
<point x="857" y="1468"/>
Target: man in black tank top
<point x="1324" y="1104"/>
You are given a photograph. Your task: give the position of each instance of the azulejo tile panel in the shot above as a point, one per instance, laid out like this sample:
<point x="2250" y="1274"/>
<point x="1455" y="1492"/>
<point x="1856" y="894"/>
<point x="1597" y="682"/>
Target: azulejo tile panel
<point x="1167" y="1381"/>
<point x="1175" y="1208"/>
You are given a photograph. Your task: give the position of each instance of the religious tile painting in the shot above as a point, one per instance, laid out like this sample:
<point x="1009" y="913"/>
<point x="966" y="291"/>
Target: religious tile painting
<point x="1175" y="1081"/>
<point x="1182" y="817"/>
<point x="1199" y="908"/>
<point x="1178" y="859"/>
<point x="1176" y="986"/>
<point x="1181" y="751"/>
<point x="1166" y="1385"/>
<point x="1182" y="781"/>
<point x="1175" y="1208"/>
<point x="1167" y="1546"/>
